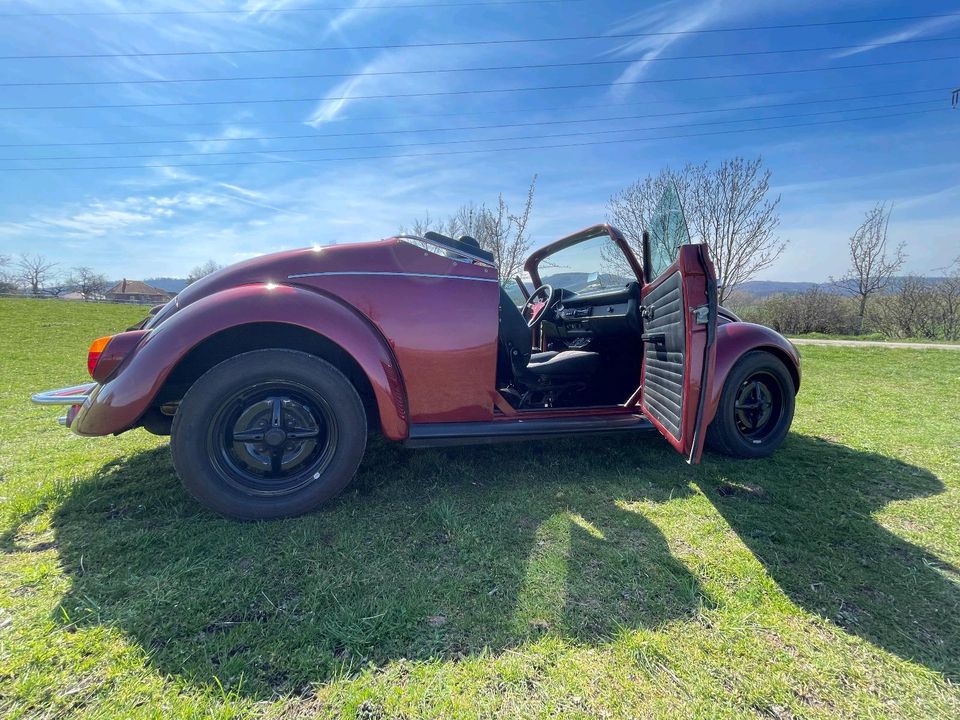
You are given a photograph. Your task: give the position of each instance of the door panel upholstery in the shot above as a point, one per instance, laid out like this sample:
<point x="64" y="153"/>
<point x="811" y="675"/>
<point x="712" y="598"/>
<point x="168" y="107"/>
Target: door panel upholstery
<point x="664" y="360"/>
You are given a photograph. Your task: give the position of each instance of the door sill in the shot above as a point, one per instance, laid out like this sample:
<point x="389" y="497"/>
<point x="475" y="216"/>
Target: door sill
<point x="505" y="430"/>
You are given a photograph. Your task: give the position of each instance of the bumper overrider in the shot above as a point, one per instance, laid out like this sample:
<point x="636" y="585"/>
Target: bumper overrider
<point x="74" y="396"/>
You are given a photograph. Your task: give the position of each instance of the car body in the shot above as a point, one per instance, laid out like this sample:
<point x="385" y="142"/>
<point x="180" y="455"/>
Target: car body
<point x="416" y="329"/>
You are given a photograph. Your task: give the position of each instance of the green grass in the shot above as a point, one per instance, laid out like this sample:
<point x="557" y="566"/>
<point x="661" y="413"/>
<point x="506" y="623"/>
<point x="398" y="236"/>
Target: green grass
<point x="599" y="577"/>
<point x="871" y="337"/>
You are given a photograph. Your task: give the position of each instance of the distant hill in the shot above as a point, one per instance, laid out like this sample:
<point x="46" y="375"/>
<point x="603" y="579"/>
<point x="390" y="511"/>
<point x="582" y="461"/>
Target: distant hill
<point x="764" y="288"/>
<point x="172" y="285"/>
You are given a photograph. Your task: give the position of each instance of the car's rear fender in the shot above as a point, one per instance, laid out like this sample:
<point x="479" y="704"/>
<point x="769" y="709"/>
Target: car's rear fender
<point x="734" y="340"/>
<point x="119" y="404"/>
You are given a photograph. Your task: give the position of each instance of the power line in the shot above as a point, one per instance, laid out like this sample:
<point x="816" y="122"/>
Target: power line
<point x="465" y="152"/>
<point x="321" y="9"/>
<point x="484" y="127"/>
<point x="462" y="43"/>
<point x="498" y="111"/>
<point x="489" y="68"/>
<point x="581" y="133"/>
<point x="483" y="91"/>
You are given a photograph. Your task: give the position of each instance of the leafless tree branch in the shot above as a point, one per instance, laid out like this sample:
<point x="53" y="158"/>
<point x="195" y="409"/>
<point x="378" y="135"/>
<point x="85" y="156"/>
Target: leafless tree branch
<point x="727" y="207"/>
<point x="35" y="272"/>
<point x="871" y="268"/>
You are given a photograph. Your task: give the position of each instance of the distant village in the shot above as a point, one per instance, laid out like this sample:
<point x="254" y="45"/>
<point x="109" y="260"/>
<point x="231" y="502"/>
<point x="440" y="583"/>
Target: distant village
<point x="125" y="291"/>
<point x="38" y="277"/>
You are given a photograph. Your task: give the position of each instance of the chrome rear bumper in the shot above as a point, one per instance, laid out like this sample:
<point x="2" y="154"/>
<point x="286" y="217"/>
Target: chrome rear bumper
<point x="74" y="395"/>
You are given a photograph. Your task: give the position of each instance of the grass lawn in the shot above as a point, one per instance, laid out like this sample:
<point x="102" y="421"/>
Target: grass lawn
<point x="872" y="337"/>
<point x="593" y="578"/>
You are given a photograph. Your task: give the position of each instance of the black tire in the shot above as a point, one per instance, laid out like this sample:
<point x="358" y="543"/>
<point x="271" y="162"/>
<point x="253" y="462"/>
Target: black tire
<point x="304" y="433"/>
<point x="755" y="409"/>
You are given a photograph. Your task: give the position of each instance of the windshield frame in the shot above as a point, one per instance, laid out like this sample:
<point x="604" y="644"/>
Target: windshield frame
<point x="532" y="265"/>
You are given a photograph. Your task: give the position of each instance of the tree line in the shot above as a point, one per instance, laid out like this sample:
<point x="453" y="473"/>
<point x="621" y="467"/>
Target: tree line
<point x="909" y="307"/>
<point x="38" y="276"/>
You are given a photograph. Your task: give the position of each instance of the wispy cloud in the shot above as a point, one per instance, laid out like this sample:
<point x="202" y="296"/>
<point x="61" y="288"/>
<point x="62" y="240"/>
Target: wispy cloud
<point x="365" y="83"/>
<point x="917" y="30"/>
<point x="221" y="142"/>
<point x="671" y="16"/>
<point x="130" y="215"/>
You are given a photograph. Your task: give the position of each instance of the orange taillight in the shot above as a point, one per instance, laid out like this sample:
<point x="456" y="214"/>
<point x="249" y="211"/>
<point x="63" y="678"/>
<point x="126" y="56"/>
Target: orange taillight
<point x="96" y="350"/>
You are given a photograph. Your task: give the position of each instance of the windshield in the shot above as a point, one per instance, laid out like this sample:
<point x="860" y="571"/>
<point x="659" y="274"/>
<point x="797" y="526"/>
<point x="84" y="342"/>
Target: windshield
<point x="668" y="231"/>
<point x="595" y="263"/>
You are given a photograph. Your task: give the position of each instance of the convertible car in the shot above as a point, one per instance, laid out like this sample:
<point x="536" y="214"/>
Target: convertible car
<point x="269" y="374"/>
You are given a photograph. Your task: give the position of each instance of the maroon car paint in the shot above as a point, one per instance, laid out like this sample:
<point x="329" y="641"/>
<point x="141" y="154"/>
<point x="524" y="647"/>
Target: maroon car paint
<point x="695" y="280"/>
<point x="439" y="315"/>
<point x="422" y="327"/>
<point x="734" y="340"/>
<point x="118" y="404"/>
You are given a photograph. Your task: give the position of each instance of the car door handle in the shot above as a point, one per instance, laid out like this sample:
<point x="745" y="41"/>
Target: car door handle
<point x="656" y="338"/>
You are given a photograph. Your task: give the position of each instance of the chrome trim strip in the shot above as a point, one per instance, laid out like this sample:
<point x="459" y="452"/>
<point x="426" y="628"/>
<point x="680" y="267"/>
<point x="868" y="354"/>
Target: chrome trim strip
<point x="391" y="274"/>
<point x="73" y="395"/>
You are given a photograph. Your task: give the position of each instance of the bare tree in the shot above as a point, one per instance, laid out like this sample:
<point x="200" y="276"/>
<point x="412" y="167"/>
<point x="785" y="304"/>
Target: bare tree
<point x="870" y="267"/>
<point x="729" y="208"/>
<point x="909" y="312"/>
<point x="88" y="283"/>
<point x="634" y="209"/>
<point x="202" y="270"/>
<point x="948" y="302"/>
<point x="505" y="234"/>
<point x="35" y="272"/>
<point x="497" y="229"/>
<point x="8" y="283"/>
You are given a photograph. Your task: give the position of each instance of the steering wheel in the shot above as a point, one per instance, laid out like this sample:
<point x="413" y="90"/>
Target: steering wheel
<point x="537" y="305"/>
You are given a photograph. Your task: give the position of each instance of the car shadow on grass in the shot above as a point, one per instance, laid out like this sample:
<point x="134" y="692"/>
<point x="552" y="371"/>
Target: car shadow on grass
<point x="445" y="554"/>
<point x="431" y="554"/>
<point x="807" y="514"/>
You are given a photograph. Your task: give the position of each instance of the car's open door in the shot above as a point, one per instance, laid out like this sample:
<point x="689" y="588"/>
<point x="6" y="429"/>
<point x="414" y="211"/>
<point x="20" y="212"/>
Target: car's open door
<point x="679" y="306"/>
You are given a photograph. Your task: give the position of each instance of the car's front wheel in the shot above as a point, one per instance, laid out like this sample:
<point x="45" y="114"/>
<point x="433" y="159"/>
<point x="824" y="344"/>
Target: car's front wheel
<point x="755" y="409"/>
<point x="268" y="433"/>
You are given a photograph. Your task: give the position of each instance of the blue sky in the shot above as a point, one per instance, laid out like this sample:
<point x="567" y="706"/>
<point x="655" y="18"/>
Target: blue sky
<point x="143" y="222"/>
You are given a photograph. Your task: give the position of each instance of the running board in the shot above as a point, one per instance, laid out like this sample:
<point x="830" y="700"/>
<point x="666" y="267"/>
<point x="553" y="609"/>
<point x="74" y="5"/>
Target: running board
<point x="483" y="433"/>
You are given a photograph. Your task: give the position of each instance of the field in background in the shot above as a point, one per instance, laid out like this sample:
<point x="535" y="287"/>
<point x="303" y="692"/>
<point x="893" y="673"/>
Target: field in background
<point x="583" y="578"/>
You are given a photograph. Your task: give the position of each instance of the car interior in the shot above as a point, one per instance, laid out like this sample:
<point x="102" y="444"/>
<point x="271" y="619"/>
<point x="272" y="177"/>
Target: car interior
<point x="587" y="315"/>
<point x="594" y="348"/>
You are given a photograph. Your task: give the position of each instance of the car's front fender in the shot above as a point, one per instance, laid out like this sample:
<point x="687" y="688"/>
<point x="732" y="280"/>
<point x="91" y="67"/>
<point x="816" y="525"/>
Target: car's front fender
<point x="120" y="403"/>
<point x="734" y="340"/>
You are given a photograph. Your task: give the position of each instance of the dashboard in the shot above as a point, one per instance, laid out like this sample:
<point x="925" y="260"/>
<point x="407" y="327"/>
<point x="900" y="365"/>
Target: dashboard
<point x="598" y="313"/>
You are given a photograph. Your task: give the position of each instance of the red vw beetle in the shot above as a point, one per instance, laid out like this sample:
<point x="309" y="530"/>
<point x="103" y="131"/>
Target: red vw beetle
<point x="268" y="374"/>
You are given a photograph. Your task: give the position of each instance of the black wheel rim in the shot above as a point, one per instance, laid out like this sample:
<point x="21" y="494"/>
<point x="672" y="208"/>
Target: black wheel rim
<point x="273" y="438"/>
<point x="758" y="408"/>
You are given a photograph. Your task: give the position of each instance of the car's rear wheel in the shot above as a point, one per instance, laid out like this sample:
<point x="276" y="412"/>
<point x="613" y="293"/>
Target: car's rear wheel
<point x="268" y="433"/>
<point x="755" y="409"/>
